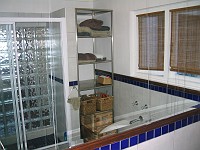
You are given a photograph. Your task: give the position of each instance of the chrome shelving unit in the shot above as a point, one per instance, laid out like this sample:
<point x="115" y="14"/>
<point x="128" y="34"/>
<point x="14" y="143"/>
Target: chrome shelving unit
<point x="82" y="14"/>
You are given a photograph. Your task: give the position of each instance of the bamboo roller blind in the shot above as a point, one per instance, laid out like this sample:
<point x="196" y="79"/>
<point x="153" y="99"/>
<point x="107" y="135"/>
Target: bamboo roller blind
<point x="185" y="40"/>
<point x="151" y="41"/>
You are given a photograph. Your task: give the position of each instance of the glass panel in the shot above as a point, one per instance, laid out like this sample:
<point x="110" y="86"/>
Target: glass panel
<point x="8" y="134"/>
<point x="36" y="52"/>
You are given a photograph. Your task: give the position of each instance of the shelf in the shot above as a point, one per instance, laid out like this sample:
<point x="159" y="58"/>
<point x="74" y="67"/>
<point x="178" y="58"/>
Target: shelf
<point x="94" y="62"/>
<point x="91" y="84"/>
<point x="86" y="11"/>
<point x="94" y="36"/>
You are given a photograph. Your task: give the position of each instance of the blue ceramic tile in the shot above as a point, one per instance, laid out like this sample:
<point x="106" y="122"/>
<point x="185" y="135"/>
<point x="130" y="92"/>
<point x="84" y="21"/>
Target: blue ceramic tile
<point x="171" y="127"/>
<point x="129" y="81"/>
<point x="115" y="146"/>
<point x="97" y="149"/>
<point x="141" y="84"/>
<point x="176" y="92"/>
<point x="156" y="88"/>
<point x="164" y="90"/>
<point x="145" y="85"/>
<point x="70" y="83"/>
<point x="160" y="89"/>
<point x="124" y="143"/>
<point x="132" y="82"/>
<point x="157" y="132"/>
<point x="178" y="124"/>
<point x="152" y="87"/>
<point x="172" y="92"/>
<point x="195" y="97"/>
<point x="188" y="96"/>
<point x="107" y="147"/>
<point x="181" y="94"/>
<point x="196" y="118"/>
<point x="169" y="91"/>
<point x="75" y="82"/>
<point x="133" y="140"/>
<point x="184" y="122"/>
<point x="190" y="120"/>
<point x="115" y="78"/>
<point x="150" y="134"/>
<point x="142" y="137"/>
<point x="165" y="129"/>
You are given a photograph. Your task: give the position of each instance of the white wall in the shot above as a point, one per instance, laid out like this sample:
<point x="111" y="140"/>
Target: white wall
<point x="186" y="138"/>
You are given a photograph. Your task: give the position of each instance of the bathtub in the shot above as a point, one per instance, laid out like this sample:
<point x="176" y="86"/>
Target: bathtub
<point x="149" y="115"/>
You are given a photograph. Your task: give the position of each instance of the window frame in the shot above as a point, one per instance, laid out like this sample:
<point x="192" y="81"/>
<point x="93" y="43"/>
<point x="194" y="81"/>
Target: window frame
<point x="166" y="76"/>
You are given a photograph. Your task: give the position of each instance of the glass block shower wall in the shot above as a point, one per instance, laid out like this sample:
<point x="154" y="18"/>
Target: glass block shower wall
<point x="32" y="47"/>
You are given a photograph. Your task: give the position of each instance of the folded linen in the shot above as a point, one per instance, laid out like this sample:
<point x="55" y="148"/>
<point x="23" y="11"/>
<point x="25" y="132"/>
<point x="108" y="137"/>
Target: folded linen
<point x="92" y="23"/>
<point x="94" y="33"/>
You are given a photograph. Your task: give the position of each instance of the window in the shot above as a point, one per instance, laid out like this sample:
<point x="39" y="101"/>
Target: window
<point x="151" y="41"/>
<point x="165" y="44"/>
<point x="185" y="40"/>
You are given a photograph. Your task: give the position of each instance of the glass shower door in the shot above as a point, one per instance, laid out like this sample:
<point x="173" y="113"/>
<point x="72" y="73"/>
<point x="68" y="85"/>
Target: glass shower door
<point x="40" y="72"/>
<point x="31" y="86"/>
<point x="9" y="111"/>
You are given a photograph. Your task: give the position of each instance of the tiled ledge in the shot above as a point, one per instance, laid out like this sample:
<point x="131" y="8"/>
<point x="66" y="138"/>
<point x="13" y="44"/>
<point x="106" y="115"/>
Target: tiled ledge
<point x="141" y="134"/>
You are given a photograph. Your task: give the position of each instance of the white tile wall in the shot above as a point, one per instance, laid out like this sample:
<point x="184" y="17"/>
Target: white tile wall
<point x="70" y="16"/>
<point x="72" y="69"/>
<point x="186" y="138"/>
<point x="71" y="44"/>
<point x="127" y="94"/>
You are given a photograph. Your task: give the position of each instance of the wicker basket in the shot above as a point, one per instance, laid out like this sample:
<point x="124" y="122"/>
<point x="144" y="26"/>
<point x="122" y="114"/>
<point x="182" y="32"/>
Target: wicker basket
<point x="88" y="105"/>
<point x="96" y="122"/>
<point x="103" y="104"/>
<point x="88" y="135"/>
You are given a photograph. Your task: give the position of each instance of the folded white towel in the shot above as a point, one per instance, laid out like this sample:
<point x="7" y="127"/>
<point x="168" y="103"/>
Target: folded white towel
<point x="75" y="102"/>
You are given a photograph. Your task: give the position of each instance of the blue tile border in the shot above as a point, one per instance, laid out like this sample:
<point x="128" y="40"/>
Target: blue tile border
<point x="133" y="140"/>
<point x="137" y="139"/>
<point x="56" y="79"/>
<point x="73" y="83"/>
<point x="124" y="143"/>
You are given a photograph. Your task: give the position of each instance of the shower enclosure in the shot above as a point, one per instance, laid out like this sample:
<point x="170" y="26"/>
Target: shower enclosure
<point x="31" y="85"/>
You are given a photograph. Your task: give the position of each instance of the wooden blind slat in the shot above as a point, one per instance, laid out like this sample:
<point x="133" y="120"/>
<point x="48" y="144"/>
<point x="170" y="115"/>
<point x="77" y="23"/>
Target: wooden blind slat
<point x="185" y="39"/>
<point x="151" y="41"/>
<point x="185" y="8"/>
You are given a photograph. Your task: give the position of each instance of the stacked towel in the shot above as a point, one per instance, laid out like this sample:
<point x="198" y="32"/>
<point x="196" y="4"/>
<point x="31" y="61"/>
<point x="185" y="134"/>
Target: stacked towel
<point x="94" y="28"/>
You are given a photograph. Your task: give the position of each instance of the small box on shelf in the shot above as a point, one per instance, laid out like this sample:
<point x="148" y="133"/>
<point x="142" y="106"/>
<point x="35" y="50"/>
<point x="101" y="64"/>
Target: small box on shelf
<point x="104" y="80"/>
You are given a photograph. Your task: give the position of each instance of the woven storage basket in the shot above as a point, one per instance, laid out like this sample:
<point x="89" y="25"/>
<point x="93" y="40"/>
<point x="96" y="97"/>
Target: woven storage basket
<point x="89" y="135"/>
<point x="96" y="122"/>
<point x="104" y="103"/>
<point x="88" y="105"/>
